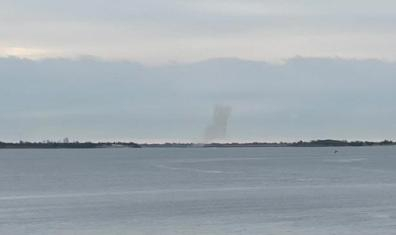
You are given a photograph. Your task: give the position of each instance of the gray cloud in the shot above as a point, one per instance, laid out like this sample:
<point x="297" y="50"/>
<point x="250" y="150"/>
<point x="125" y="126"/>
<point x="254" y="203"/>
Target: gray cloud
<point x="93" y="99"/>
<point x="350" y="96"/>
<point x="161" y="31"/>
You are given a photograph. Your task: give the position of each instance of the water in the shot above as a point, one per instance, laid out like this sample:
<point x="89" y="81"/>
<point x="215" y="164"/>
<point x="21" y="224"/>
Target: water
<point x="198" y="191"/>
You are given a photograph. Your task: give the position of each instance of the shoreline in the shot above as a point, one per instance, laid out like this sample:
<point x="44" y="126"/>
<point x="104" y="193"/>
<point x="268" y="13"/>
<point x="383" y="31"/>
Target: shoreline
<point x="93" y="145"/>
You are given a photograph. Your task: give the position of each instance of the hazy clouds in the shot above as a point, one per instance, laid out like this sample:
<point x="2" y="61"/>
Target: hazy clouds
<point x="348" y="95"/>
<point x="92" y="99"/>
<point x="154" y="31"/>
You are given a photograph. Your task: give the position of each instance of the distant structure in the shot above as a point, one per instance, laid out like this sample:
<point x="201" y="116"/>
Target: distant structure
<point x="66" y="140"/>
<point x="217" y="130"/>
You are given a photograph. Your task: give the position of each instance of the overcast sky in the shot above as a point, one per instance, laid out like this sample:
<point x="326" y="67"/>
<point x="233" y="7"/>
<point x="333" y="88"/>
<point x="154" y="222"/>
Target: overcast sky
<point x="98" y="100"/>
<point x="158" y="31"/>
<point x="151" y="70"/>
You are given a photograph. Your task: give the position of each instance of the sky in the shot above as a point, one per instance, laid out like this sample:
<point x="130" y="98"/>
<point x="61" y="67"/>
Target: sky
<point x="155" y="71"/>
<point x="156" y="32"/>
<point x="90" y="99"/>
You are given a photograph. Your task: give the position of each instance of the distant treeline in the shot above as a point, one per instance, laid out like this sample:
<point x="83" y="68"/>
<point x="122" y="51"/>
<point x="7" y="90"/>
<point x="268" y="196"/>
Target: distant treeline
<point x="82" y="145"/>
<point x="324" y="143"/>
<point x="313" y="143"/>
<point x="75" y="145"/>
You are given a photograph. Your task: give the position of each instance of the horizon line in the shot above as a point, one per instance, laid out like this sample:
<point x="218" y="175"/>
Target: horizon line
<point x="198" y="143"/>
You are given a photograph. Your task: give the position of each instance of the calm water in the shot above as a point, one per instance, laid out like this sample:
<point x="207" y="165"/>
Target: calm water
<point x="198" y="191"/>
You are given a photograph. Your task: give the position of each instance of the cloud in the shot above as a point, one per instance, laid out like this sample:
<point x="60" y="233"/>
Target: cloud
<point x="94" y="99"/>
<point x="156" y="32"/>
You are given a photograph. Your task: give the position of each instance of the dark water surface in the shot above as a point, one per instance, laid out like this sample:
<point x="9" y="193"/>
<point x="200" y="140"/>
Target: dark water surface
<point x="199" y="191"/>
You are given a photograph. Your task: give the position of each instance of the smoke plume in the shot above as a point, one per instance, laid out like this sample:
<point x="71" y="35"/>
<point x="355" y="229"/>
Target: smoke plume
<point x="217" y="130"/>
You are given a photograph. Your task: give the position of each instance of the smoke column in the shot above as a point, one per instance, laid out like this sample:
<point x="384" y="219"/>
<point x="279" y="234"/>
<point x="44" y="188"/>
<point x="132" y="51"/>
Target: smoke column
<point x="217" y="130"/>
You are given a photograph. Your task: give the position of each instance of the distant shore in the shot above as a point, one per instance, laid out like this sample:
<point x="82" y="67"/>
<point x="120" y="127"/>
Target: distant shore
<point x="90" y="145"/>
<point x="63" y="145"/>
<point x="313" y="143"/>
